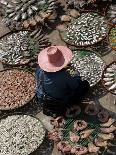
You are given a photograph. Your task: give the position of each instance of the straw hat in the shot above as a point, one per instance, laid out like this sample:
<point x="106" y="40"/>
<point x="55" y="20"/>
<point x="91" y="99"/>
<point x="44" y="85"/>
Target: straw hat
<point x="54" y="58"/>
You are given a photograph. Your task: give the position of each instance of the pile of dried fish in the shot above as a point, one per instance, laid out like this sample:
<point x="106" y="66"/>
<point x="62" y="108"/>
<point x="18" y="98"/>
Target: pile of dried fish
<point x="111" y="13"/>
<point x="109" y="78"/>
<point x="77" y="136"/>
<point x="79" y="4"/>
<point x="16" y="89"/>
<point x="21" y="46"/>
<point x="27" y="13"/>
<point x="20" y="134"/>
<point x="88" y="64"/>
<point x="112" y="37"/>
<point x="88" y="29"/>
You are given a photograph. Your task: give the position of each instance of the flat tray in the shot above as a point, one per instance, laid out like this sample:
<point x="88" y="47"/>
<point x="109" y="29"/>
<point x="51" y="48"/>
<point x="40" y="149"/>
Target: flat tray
<point x="89" y="64"/>
<point x="16" y="131"/>
<point x="19" y="47"/>
<point x="80" y="31"/>
<point x="19" y="102"/>
<point x="112" y="37"/>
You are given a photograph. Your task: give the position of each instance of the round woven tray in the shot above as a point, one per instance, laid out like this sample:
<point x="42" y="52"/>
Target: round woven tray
<point x="112" y="92"/>
<point x="92" y="123"/>
<point x="113" y="28"/>
<point x="34" y="46"/>
<point x="83" y="55"/>
<point x="25" y="133"/>
<point x="17" y="102"/>
<point x="27" y="14"/>
<point x="88" y="43"/>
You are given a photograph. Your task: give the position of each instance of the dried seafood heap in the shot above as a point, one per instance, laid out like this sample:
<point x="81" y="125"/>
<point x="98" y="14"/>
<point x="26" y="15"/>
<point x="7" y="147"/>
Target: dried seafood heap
<point x="77" y="136"/>
<point x="17" y="88"/>
<point x="20" y="134"/>
<point x="111" y="13"/>
<point x="87" y="29"/>
<point x="79" y="4"/>
<point x="88" y="64"/>
<point x="109" y="78"/>
<point x="27" y="13"/>
<point x="19" y="47"/>
<point x="112" y="37"/>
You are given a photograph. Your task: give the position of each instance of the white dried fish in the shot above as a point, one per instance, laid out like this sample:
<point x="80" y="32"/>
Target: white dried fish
<point x="109" y="83"/>
<point x="108" y="79"/>
<point x="113" y="87"/>
<point x="109" y="74"/>
<point x="110" y="70"/>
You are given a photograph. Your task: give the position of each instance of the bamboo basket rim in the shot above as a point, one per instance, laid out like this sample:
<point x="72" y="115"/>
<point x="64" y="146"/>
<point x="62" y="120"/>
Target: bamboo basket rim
<point x="18" y="64"/>
<point x="81" y="46"/>
<point x="103" y="77"/>
<point x="21" y="114"/>
<point x="113" y="25"/>
<point x="92" y="51"/>
<point x="16" y="107"/>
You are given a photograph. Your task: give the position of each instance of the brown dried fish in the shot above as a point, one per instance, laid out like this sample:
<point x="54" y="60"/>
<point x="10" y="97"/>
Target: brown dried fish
<point x="112" y="128"/>
<point x="79" y="125"/>
<point x="86" y="133"/>
<point x="109" y="123"/>
<point x="92" y="148"/>
<point x="100" y="142"/>
<point x="104" y="136"/>
<point x="74" y="137"/>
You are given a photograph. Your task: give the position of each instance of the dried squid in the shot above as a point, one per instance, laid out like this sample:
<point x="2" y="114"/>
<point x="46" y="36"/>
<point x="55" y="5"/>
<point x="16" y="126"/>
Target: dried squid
<point x="73" y="111"/>
<point x="79" y="125"/>
<point x="109" y="123"/>
<point x="86" y="133"/>
<point x="110" y="129"/>
<point x="100" y="142"/>
<point x="64" y="146"/>
<point x="92" y="148"/>
<point x="58" y="122"/>
<point x="103" y="116"/>
<point x="104" y="136"/>
<point x="79" y="150"/>
<point x="74" y="137"/>
<point x="91" y="109"/>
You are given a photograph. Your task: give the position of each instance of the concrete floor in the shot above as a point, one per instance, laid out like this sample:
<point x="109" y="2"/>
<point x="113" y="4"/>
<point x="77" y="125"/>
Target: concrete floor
<point x="106" y="100"/>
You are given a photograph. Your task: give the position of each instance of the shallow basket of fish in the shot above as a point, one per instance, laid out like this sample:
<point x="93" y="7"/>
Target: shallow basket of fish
<point x="19" y="47"/>
<point x="91" y="131"/>
<point x="109" y="78"/>
<point x="17" y="88"/>
<point x="88" y="64"/>
<point x="112" y="37"/>
<point x="20" y="134"/>
<point x="87" y="29"/>
<point x="27" y="13"/>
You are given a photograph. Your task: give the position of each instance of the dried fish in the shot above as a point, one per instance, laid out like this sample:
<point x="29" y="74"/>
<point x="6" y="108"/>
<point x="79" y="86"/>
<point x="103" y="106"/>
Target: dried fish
<point x="64" y="146"/>
<point x="86" y="133"/>
<point x="87" y="29"/>
<point x="110" y="129"/>
<point x="79" y="125"/>
<point x="92" y="148"/>
<point x="27" y="10"/>
<point x="109" y="77"/>
<point x="109" y="123"/>
<point x="104" y="136"/>
<point x="73" y="137"/>
<point x="17" y="88"/>
<point x="79" y="150"/>
<point x="20" y="134"/>
<point x="88" y="64"/>
<point x="20" y="46"/>
<point x="103" y="116"/>
<point x="100" y="142"/>
<point x="91" y="109"/>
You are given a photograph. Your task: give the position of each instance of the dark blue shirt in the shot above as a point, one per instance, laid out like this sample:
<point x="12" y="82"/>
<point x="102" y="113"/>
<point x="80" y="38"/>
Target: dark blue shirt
<point x="59" y="85"/>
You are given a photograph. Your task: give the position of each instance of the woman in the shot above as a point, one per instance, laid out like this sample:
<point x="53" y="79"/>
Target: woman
<point x="56" y="88"/>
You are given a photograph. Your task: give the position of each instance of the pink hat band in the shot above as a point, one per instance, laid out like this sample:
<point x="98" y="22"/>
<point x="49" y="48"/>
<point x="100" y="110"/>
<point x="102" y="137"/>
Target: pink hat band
<point x="54" y="54"/>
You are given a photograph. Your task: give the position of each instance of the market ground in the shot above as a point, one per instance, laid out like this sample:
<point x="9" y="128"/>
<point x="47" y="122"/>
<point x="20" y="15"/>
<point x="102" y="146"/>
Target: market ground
<point x="106" y="99"/>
